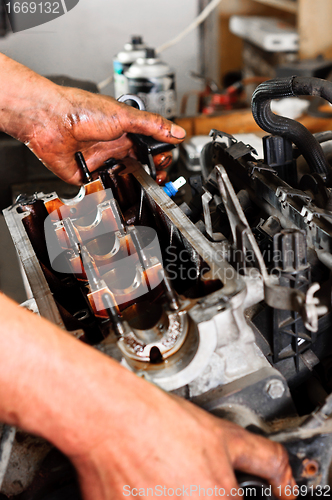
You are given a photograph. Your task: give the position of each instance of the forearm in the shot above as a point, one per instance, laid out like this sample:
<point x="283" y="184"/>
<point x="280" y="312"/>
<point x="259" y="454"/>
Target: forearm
<point x="57" y="387"/>
<point x="26" y="100"/>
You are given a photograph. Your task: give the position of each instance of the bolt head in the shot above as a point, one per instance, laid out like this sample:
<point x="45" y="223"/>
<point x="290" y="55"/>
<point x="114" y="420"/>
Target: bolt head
<point x="275" y="388"/>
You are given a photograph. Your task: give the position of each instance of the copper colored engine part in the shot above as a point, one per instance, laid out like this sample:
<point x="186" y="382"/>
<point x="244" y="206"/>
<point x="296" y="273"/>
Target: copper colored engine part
<point x="85" y="204"/>
<point x="146" y="281"/>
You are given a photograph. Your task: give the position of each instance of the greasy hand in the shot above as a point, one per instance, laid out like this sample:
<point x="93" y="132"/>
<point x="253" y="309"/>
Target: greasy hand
<point x="55" y="122"/>
<point x="94" y="124"/>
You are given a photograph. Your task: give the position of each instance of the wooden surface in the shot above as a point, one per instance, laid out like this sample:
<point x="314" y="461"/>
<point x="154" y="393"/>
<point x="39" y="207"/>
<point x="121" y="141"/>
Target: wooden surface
<point x="314" y="21"/>
<point x="230" y="49"/>
<point x="208" y="44"/>
<point x="230" y="46"/>
<point x="241" y="122"/>
<point x="286" y="5"/>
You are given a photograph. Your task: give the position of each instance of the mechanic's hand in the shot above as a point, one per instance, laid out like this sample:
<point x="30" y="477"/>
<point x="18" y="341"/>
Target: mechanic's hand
<point x="174" y="444"/>
<point x="97" y="126"/>
<point x="55" y="122"/>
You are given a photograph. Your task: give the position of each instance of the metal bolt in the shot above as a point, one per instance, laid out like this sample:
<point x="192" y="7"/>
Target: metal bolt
<point x="275" y="388"/>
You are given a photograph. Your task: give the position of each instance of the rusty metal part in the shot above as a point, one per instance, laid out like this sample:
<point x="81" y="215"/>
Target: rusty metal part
<point x="310" y="468"/>
<point x="167" y="338"/>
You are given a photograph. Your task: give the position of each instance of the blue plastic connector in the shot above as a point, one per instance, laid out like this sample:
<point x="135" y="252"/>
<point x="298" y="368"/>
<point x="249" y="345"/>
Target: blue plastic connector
<point x="171" y="188"/>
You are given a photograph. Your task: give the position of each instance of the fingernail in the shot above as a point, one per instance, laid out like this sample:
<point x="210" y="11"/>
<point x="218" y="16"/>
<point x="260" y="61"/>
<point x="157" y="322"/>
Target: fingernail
<point x="177" y="132"/>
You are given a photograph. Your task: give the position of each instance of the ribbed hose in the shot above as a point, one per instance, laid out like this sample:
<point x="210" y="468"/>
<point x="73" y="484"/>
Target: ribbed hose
<point x="285" y="127"/>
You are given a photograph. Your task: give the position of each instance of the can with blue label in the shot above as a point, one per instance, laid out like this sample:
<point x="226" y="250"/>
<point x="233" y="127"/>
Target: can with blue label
<point x="123" y="60"/>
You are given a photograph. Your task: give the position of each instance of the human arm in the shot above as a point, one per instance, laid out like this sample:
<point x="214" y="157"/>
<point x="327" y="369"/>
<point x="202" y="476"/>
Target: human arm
<point x="115" y="427"/>
<point x="55" y="122"/>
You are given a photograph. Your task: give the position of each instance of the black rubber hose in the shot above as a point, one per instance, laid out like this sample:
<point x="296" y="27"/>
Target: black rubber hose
<point x="324" y="136"/>
<point x="285" y="127"/>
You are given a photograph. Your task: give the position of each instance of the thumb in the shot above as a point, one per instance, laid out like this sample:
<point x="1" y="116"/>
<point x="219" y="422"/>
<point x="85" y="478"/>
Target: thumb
<point x="259" y="456"/>
<point x="150" y="124"/>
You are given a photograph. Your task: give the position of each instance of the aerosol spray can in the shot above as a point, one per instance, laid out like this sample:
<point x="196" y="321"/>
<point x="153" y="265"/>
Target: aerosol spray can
<point x="154" y="82"/>
<point x="122" y="62"/>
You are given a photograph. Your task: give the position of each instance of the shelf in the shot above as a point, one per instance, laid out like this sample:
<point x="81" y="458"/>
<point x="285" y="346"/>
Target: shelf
<point x="286" y="5"/>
